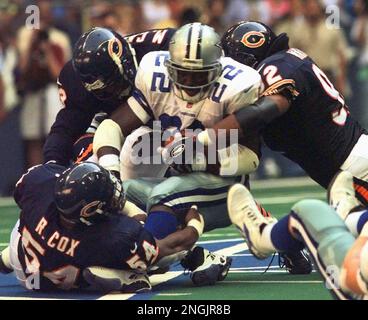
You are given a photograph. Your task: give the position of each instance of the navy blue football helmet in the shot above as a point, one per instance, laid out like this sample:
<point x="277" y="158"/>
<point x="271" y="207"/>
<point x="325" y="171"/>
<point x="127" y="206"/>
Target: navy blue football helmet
<point x="87" y="192"/>
<point x="105" y="63"/>
<point x="250" y="42"/>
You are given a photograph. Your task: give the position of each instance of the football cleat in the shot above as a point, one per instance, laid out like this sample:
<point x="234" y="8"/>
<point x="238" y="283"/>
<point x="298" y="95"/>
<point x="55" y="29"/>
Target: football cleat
<point x="5" y="266"/>
<point x="296" y="263"/>
<point x="341" y="194"/>
<point x="245" y="215"/>
<point x="123" y="281"/>
<point x="206" y="268"/>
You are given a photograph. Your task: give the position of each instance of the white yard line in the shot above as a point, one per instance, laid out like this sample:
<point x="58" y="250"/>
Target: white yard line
<point x="219" y="241"/>
<point x="212" y="235"/>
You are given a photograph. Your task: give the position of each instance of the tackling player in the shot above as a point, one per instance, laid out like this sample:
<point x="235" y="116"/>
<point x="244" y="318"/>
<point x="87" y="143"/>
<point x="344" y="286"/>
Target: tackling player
<point x="300" y="113"/>
<point x="72" y="232"/>
<point x="99" y="78"/>
<point x="340" y="256"/>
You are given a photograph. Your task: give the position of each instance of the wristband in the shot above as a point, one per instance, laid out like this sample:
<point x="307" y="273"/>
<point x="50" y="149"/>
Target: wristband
<point x="198" y="225"/>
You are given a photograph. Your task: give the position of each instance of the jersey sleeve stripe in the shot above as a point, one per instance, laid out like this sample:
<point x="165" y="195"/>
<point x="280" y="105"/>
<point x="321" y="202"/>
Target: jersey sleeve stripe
<point x="140" y="107"/>
<point x="276" y="86"/>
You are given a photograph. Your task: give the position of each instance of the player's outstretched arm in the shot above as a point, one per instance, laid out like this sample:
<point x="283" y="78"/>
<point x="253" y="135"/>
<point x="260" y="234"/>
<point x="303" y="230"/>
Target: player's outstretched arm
<point x="250" y="119"/>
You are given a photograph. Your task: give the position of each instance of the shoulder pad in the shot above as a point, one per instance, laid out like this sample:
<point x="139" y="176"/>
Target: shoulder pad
<point x="151" y="63"/>
<point x="238" y="78"/>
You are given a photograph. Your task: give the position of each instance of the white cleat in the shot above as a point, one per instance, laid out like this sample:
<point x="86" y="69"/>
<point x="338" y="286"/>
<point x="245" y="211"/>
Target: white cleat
<point x="341" y="194"/>
<point x="110" y="280"/>
<point x="245" y="215"/>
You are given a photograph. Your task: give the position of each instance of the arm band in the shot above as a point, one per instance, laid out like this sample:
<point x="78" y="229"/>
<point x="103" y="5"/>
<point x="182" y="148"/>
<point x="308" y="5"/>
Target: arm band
<point x="198" y="225"/>
<point x="256" y="116"/>
<point x="237" y="160"/>
<point x="108" y="134"/>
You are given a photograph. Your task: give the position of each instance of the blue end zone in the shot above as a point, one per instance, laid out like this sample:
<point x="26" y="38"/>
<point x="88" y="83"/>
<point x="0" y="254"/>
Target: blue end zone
<point x="10" y="288"/>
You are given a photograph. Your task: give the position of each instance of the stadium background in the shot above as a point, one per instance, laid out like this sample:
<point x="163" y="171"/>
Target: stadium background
<point x="31" y="59"/>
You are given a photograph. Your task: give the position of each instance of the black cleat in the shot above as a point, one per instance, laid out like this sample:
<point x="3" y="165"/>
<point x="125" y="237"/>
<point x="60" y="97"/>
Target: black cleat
<point x="206" y="268"/>
<point x="296" y="262"/>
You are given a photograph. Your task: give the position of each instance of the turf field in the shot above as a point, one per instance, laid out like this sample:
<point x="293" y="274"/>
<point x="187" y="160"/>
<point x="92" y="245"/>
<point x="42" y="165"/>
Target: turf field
<point x="246" y="279"/>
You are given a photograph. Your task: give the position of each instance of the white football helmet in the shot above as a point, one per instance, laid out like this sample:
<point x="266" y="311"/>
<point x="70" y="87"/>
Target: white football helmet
<point x="194" y="63"/>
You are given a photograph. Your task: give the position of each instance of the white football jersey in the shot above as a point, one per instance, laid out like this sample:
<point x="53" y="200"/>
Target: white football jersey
<point x="154" y="98"/>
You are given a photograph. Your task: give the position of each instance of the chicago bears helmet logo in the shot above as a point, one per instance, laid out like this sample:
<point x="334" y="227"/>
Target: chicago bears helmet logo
<point x="253" y="39"/>
<point x="92" y="208"/>
<point x="115" y="48"/>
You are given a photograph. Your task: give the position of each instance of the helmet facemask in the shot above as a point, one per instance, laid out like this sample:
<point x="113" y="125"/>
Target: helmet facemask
<point x="194" y="63"/>
<point x="117" y="86"/>
<point x="193" y="85"/>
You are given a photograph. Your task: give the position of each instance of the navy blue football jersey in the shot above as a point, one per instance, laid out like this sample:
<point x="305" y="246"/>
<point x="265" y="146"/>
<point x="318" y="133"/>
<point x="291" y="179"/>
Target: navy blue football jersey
<point x="81" y="105"/>
<point x="317" y="132"/>
<point x="59" y="254"/>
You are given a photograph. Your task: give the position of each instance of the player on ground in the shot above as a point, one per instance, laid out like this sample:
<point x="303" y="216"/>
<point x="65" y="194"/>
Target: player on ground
<point x="100" y="77"/>
<point x="72" y="232"/>
<point x="340" y="255"/>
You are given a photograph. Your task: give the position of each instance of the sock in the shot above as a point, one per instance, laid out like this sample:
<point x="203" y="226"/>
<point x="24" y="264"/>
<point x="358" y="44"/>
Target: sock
<point x="281" y="238"/>
<point x="355" y="221"/>
<point x="160" y="224"/>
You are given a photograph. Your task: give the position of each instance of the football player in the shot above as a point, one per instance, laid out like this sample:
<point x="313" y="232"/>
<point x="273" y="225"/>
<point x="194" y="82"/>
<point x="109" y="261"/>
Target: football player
<point x="72" y="232"/>
<point x="300" y="113"/>
<point x="99" y="78"/>
<point x="190" y="87"/>
<point x="340" y="256"/>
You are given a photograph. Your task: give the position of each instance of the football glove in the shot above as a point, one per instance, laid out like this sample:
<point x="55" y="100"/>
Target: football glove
<point x="181" y="154"/>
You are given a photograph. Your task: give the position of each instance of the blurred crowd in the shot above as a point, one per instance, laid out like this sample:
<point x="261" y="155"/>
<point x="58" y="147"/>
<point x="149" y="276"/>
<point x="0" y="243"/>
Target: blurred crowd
<point x="333" y="32"/>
